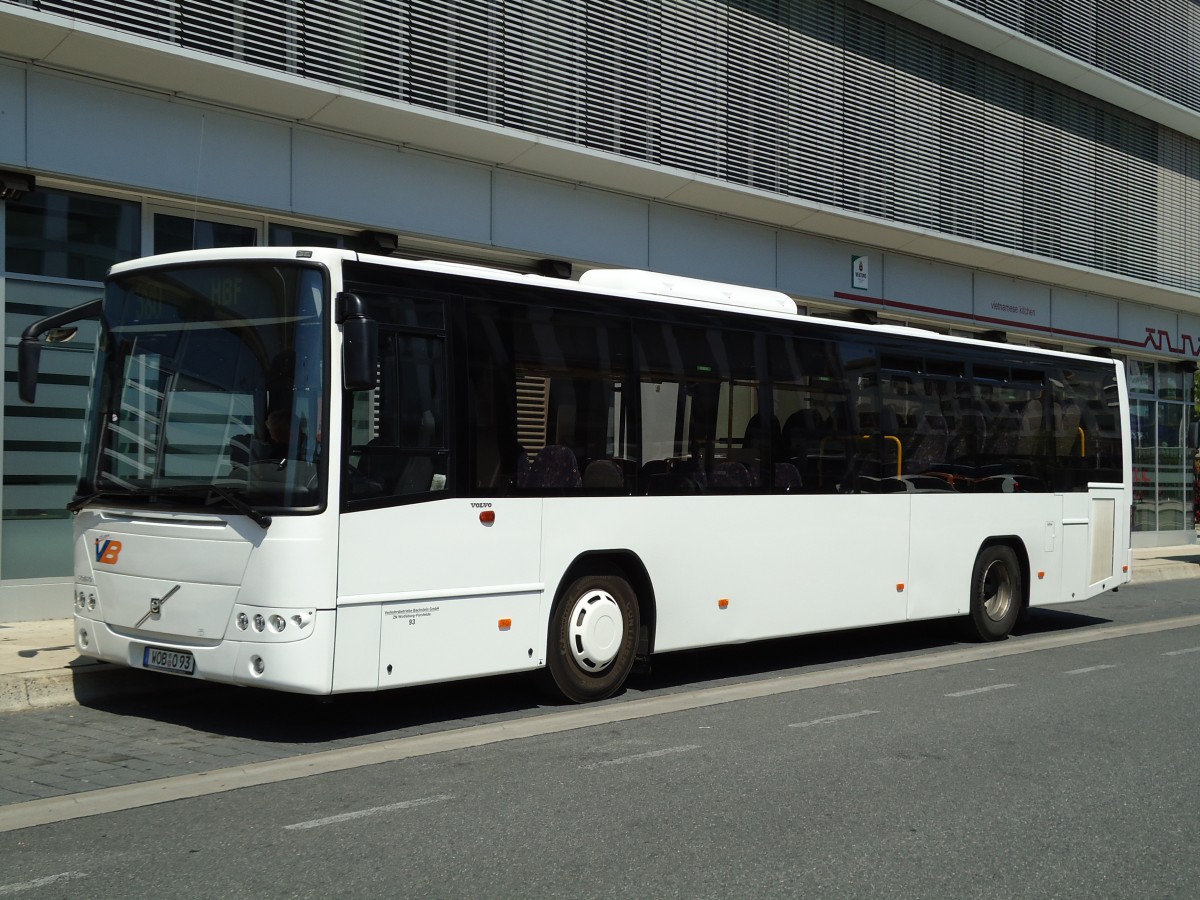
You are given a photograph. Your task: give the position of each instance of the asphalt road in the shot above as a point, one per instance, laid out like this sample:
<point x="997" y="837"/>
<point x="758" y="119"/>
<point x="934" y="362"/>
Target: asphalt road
<point x="887" y="762"/>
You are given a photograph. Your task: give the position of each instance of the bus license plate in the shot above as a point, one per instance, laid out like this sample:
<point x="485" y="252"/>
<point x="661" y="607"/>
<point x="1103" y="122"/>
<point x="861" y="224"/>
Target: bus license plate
<point x="178" y="661"/>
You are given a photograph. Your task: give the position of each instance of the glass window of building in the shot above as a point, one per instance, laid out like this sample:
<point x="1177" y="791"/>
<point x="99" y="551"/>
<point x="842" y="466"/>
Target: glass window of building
<point x="173" y="233"/>
<point x="58" y="234"/>
<point x="1163" y="449"/>
<point x="58" y="246"/>
<point x="298" y="236"/>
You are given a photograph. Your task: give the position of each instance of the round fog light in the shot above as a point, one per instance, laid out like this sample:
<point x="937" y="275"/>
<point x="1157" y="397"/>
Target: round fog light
<point x="257" y="664"/>
<point x="83" y="638"/>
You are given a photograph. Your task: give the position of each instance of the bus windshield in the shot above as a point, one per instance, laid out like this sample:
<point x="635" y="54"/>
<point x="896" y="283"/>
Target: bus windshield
<point x="208" y="388"/>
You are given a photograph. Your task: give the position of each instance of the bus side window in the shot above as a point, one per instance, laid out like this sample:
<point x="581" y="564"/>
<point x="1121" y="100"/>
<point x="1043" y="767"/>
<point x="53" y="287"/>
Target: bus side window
<point x="403" y="421"/>
<point x="547" y="394"/>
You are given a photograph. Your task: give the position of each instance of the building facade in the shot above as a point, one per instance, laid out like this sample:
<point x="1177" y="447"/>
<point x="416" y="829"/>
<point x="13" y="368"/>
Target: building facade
<point x="1024" y="169"/>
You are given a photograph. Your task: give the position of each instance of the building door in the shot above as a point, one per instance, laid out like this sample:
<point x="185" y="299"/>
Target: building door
<point x="1160" y="396"/>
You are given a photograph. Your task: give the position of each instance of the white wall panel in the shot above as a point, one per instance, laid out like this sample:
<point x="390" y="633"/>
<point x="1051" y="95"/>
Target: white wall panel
<point x="700" y="245"/>
<point x="353" y="181"/>
<point x="130" y="138"/>
<point x="819" y="268"/>
<point x="245" y="160"/>
<point x="1011" y="302"/>
<point x="567" y="221"/>
<point x="1075" y="314"/>
<point x="925" y="284"/>
<point x="1189" y="334"/>
<point x="1145" y="326"/>
<point x="12" y="116"/>
<point x="96" y="132"/>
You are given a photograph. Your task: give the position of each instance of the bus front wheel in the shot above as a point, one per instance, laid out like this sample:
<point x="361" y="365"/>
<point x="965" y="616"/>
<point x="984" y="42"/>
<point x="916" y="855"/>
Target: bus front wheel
<point x="593" y="638"/>
<point x="996" y="595"/>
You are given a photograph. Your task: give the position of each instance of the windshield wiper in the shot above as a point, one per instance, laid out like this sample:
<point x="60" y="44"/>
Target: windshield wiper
<point x="260" y="519"/>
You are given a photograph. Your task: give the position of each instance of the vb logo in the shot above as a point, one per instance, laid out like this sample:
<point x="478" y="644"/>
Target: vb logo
<point x="107" y="551"/>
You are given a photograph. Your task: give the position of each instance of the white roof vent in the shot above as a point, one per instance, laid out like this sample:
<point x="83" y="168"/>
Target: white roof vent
<point x="637" y="281"/>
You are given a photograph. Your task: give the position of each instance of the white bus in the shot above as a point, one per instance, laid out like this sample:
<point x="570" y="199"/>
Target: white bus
<point x="321" y="472"/>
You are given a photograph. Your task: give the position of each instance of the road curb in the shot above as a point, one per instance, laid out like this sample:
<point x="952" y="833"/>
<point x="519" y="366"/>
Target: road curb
<point x="1147" y="574"/>
<point x="86" y="684"/>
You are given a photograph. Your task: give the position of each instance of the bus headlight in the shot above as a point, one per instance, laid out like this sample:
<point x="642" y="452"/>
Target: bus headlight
<point x="270" y="624"/>
<point x="86" y="599"/>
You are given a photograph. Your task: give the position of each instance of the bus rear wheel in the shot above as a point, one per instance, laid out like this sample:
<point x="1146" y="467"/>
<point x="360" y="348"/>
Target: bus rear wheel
<point x="593" y="638"/>
<point x="996" y="593"/>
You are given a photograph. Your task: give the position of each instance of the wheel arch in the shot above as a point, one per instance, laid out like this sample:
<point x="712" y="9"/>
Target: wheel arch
<point x="1014" y="543"/>
<point x="629" y="566"/>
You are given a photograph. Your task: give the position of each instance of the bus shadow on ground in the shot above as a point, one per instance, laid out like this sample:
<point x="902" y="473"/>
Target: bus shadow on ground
<point x="293" y="722"/>
<point x="1044" y="621"/>
<point x="789" y="656"/>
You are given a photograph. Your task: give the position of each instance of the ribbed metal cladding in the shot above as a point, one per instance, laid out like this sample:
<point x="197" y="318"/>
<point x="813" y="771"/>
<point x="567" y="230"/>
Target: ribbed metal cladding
<point x="1153" y="43"/>
<point x="832" y="101"/>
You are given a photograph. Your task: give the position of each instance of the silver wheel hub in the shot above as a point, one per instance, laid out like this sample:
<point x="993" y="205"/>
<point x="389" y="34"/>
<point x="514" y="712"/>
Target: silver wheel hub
<point x="596" y="630"/>
<point x="997" y="591"/>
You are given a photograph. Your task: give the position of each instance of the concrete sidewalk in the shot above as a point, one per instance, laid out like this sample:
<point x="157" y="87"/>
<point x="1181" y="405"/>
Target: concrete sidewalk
<point x="39" y="666"/>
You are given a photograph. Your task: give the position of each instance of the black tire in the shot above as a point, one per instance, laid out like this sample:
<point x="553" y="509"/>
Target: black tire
<point x="996" y="593"/>
<point x="593" y="638"/>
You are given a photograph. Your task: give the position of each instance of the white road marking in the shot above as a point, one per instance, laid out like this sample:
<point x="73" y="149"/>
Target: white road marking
<point x="363" y="813"/>
<point x="1181" y="652"/>
<point x="620" y="761"/>
<point x="1089" y="669"/>
<point x="865" y="712"/>
<point x="982" y="690"/>
<point x="7" y="890"/>
<point x="97" y="802"/>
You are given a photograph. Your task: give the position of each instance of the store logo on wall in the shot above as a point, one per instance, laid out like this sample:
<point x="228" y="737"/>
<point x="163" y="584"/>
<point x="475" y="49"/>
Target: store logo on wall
<point x="859" y="273"/>
<point x="1160" y="339"/>
<point x="1014" y="309"/>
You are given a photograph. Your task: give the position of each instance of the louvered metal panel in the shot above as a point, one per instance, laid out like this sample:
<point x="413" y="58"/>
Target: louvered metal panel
<point x="451" y="51"/>
<point x="868" y="84"/>
<point x="1003" y="131"/>
<point x="1155" y="43"/>
<point x="832" y="101"/>
<point x="1178" y="223"/>
<point x="622" y="84"/>
<point x="817" y="107"/>
<point x="693" y="114"/>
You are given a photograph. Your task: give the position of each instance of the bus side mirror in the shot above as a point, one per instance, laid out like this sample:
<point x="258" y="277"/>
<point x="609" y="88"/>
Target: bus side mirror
<point x="29" y="353"/>
<point x="360" y="343"/>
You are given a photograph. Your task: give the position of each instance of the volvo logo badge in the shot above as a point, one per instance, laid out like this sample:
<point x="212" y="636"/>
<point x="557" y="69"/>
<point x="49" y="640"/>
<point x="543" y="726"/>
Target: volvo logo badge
<point x="156" y="605"/>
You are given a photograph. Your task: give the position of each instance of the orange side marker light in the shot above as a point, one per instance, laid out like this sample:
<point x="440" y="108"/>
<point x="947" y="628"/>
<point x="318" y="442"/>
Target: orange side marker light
<point x="505" y="624"/>
<point x="1041" y="575"/>
<point x="723" y="603"/>
<point x="1124" y="568"/>
<point x="488" y="516"/>
<point x="900" y="587"/>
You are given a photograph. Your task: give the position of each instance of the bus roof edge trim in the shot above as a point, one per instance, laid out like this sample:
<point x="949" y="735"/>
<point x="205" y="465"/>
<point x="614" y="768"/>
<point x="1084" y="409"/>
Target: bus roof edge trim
<point x="638" y="281"/>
